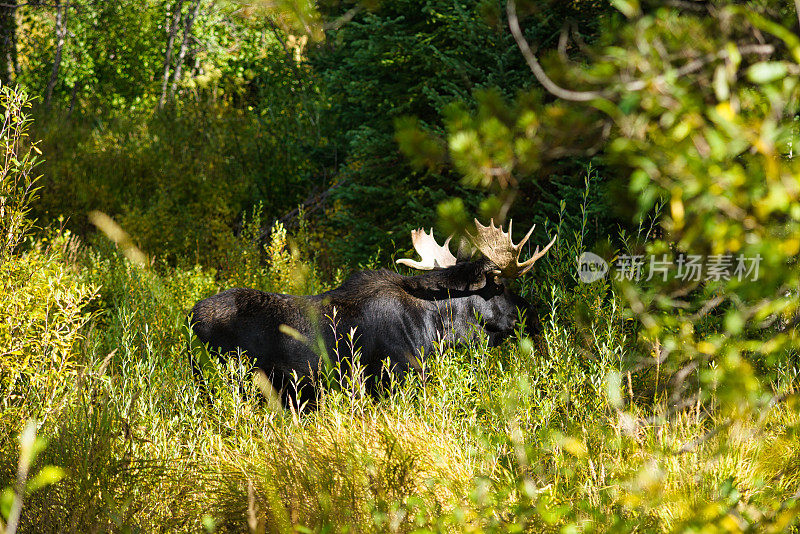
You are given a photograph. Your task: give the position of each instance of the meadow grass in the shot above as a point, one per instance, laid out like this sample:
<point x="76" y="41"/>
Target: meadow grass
<point x="549" y="435"/>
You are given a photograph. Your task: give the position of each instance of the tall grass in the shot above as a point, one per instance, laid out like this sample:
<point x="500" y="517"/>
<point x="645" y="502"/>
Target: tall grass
<point x="560" y="433"/>
<point x="492" y="440"/>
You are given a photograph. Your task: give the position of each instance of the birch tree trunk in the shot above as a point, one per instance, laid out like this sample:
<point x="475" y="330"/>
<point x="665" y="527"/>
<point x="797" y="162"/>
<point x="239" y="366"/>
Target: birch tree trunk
<point x="62" y="12"/>
<point x="187" y="33"/>
<point x="177" y="7"/>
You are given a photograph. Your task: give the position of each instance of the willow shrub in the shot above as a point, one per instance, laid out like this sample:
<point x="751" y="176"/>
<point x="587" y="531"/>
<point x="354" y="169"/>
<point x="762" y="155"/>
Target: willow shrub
<point x="43" y="312"/>
<point x="42" y="298"/>
<point x="18" y="181"/>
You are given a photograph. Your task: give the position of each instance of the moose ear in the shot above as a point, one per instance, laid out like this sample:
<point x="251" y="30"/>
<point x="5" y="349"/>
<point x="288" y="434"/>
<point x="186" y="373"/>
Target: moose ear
<point x="478" y="283"/>
<point x="487" y="272"/>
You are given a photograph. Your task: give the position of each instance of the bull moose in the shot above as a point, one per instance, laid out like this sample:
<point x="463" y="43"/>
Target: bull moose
<point x="393" y="317"/>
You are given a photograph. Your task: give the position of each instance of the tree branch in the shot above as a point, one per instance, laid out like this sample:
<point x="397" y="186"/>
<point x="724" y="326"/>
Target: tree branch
<point x="347" y="17"/>
<point x="536" y="68"/>
<point x="311" y="204"/>
<point x="637" y="85"/>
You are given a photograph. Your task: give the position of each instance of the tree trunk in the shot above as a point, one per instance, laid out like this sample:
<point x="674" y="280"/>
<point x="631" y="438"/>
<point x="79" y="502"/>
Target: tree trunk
<point x="187" y="33"/>
<point x="76" y="87"/>
<point x="8" y="42"/>
<point x="62" y="12"/>
<point x="173" y="30"/>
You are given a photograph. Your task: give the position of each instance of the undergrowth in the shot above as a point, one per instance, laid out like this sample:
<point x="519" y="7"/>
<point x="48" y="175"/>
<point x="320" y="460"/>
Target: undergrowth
<point x="561" y="433"/>
<point x="484" y="440"/>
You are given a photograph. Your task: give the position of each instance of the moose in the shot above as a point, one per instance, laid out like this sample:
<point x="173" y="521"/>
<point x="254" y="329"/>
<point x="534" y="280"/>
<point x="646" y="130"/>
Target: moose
<point x="392" y="317"/>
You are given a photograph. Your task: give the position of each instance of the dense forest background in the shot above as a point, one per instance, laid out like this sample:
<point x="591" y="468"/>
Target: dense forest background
<point x="178" y="118"/>
<point x="159" y="151"/>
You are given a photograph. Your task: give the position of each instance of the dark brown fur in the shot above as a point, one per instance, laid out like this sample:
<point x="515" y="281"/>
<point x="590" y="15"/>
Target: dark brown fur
<point x="395" y="317"/>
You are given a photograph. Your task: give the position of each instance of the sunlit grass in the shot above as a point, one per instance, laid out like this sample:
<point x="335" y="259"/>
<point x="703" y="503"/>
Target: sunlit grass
<point x="484" y="440"/>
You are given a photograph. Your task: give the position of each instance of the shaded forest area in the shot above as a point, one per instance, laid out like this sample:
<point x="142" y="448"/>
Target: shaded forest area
<point x="157" y="152"/>
<point x="177" y="118"/>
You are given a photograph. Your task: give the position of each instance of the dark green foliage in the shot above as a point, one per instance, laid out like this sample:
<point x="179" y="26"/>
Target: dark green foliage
<point x="178" y="181"/>
<point x="263" y="116"/>
<point x="416" y="58"/>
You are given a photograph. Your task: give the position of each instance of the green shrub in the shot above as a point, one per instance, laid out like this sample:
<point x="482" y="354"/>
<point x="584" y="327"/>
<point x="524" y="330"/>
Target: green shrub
<point x="178" y="182"/>
<point x="43" y="310"/>
<point x="284" y="264"/>
<point x="18" y="186"/>
<point x="42" y="297"/>
<point x="485" y="440"/>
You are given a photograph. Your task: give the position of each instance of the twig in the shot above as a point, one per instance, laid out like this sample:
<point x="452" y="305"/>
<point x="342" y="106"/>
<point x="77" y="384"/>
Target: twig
<point x="313" y="202"/>
<point x="708" y="306"/>
<point x="344" y="19"/>
<point x="697" y="64"/>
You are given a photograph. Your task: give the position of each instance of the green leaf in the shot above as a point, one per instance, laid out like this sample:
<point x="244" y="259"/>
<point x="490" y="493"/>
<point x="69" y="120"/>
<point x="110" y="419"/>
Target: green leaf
<point x="629" y="103"/>
<point x="629" y="8"/>
<point x="49" y="474"/>
<point x="6" y="499"/>
<point x="766" y="71"/>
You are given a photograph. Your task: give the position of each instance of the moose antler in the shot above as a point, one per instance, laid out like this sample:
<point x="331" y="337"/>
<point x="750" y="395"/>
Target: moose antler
<point x="433" y="256"/>
<point x="498" y="247"/>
